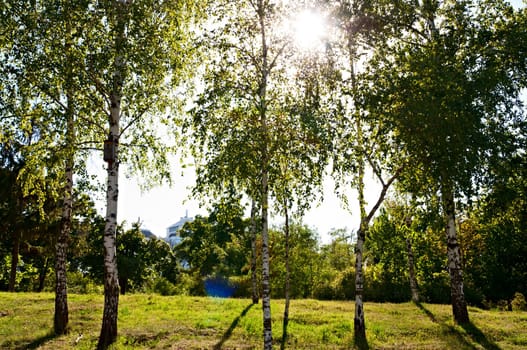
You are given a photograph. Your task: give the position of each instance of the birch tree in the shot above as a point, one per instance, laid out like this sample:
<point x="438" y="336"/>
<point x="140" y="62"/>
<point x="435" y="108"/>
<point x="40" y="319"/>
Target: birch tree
<point x="244" y="119"/>
<point x="300" y="162"/>
<point x="232" y="118"/>
<point x="411" y="262"/>
<point x="140" y="53"/>
<point x="61" y="302"/>
<point x="449" y="86"/>
<point x="48" y="33"/>
<point x="120" y="11"/>
<point x="43" y="58"/>
<point x="361" y="144"/>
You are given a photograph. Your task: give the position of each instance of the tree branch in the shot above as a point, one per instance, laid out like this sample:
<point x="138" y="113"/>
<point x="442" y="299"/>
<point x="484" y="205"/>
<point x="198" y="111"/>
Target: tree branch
<point x="135" y="119"/>
<point x="385" y="188"/>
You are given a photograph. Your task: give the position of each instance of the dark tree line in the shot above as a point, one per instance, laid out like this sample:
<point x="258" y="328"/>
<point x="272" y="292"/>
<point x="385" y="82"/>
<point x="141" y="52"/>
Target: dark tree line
<point x="216" y="249"/>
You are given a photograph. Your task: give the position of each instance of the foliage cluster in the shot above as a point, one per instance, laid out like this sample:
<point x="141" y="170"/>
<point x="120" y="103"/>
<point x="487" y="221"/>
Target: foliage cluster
<point x="217" y="248"/>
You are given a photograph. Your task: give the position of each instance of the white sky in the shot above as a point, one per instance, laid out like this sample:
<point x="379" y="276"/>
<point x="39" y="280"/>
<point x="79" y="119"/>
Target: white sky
<point x="162" y="206"/>
<point x="517" y="3"/>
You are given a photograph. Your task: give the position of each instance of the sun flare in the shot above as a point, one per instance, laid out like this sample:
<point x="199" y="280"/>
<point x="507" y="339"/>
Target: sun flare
<point x="309" y="28"/>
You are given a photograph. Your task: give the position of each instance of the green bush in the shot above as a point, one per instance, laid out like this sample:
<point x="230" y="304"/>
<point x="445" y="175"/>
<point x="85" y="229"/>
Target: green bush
<point x="81" y="284"/>
<point x="474" y="296"/>
<point x="190" y="284"/>
<point x="164" y="287"/>
<point x="335" y="285"/>
<point x="518" y="303"/>
<point x="381" y="285"/>
<point x="436" y="288"/>
<point x="243" y="286"/>
<point x="488" y="304"/>
<point x="324" y="292"/>
<point x="503" y="305"/>
<point x="345" y="287"/>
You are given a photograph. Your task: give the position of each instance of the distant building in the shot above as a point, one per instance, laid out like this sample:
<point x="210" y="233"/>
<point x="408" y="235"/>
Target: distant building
<point x="148" y="234"/>
<point x="173" y="237"/>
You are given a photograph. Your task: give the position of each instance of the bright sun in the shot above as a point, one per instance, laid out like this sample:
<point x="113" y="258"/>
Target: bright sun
<point x="309" y="29"/>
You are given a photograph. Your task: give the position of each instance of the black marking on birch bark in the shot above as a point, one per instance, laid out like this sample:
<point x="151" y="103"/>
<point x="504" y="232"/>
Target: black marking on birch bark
<point x="452" y="245"/>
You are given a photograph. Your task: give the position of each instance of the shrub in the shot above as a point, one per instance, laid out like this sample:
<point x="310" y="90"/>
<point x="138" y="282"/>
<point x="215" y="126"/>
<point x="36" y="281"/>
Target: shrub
<point x="324" y="292"/>
<point x="243" y="286"/>
<point x="343" y="285"/>
<point x="80" y="284"/>
<point x="382" y="286"/>
<point x="518" y="303"/>
<point x="474" y="296"/>
<point x="503" y="305"/>
<point x="164" y="287"/>
<point x="190" y="283"/>
<point x="436" y="288"/>
<point x="488" y="304"/>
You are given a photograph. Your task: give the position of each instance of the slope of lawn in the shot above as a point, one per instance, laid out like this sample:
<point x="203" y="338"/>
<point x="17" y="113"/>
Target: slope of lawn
<point x="181" y="322"/>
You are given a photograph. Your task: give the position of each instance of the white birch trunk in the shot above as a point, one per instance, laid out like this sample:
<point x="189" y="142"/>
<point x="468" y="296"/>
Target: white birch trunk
<point x="61" y="317"/>
<point x="108" y="333"/>
<point x="254" y="211"/>
<point x="266" y="283"/>
<point x="411" y="271"/>
<point x="459" y="304"/>
<point x="359" y="323"/>
<point x="111" y="281"/>
<point x="359" y="320"/>
<point x="287" y="279"/>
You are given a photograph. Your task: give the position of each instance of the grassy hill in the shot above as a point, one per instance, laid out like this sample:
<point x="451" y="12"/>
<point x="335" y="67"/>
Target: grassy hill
<point x="179" y="322"/>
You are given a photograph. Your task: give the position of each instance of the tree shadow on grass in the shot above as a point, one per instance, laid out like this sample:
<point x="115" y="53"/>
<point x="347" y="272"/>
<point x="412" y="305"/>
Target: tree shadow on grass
<point x="479" y="337"/>
<point x="473" y="332"/>
<point x="427" y="312"/>
<point x="35" y="344"/>
<point x="445" y="328"/>
<point x="283" y="341"/>
<point x="233" y="325"/>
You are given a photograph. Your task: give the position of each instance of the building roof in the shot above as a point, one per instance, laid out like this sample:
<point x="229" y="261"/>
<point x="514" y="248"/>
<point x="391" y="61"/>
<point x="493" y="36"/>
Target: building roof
<point x="176" y="226"/>
<point x="147" y="233"/>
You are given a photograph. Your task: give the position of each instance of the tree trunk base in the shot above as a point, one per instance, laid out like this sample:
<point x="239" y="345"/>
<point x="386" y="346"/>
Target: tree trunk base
<point x="109" y="322"/>
<point x="359" y="330"/>
<point x="61" y="319"/>
<point x="359" y="334"/>
<point x="460" y="314"/>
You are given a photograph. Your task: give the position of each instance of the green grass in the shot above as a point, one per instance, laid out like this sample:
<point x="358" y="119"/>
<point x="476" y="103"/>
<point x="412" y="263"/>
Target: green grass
<point x="180" y="322"/>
